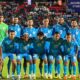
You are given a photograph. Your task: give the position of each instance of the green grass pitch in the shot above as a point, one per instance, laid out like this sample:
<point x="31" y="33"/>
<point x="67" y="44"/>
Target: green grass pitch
<point x="37" y="71"/>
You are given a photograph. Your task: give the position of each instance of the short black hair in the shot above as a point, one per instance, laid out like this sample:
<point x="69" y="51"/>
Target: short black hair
<point x="40" y="33"/>
<point x="10" y="31"/>
<point x="68" y="34"/>
<point x="57" y="32"/>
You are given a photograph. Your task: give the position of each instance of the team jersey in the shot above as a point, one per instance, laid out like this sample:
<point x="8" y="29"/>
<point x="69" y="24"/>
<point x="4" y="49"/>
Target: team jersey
<point x="63" y="29"/>
<point x="31" y="31"/>
<point x="16" y="28"/>
<point x="3" y="31"/>
<point x="25" y="46"/>
<point x="75" y="32"/>
<point x="47" y="31"/>
<point x="8" y="45"/>
<point x="39" y="46"/>
<point x="69" y="48"/>
<point x="54" y="48"/>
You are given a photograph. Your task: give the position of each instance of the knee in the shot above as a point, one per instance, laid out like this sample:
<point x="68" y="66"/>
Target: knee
<point x="18" y="62"/>
<point x="66" y="63"/>
<point x="79" y="60"/>
<point x="34" y="61"/>
<point x="50" y="62"/>
<point x="74" y="63"/>
<point x="31" y="62"/>
<point x="45" y="61"/>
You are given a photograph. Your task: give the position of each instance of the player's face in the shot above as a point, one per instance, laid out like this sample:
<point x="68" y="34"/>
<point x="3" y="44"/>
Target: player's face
<point x="30" y="23"/>
<point x="57" y="36"/>
<point x="61" y="20"/>
<point x="26" y="37"/>
<point x="74" y="24"/>
<point x="16" y="20"/>
<point x="12" y="20"/>
<point x="40" y="37"/>
<point x="1" y="18"/>
<point x="46" y="22"/>
<point x="68" y="38"/>
<point x="11" y="35"/>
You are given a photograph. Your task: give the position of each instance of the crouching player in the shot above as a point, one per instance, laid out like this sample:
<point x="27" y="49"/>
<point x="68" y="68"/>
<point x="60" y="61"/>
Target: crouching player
<point x="24" y="49"/>
<point x="69" y="49"/>
<point x="8" y="49"/>
<point x="54" y="54"/>
<point x="39" y="49"/>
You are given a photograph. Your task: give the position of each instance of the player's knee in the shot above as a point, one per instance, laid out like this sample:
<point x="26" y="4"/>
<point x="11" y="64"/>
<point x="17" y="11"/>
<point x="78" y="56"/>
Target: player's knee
<point x="34" y="61"/>
<point x="31" y="62"/>
<point x="74" y="63"/>
<point x="45" y="61"/>
<point x="66" y="63"/>
<point x="50" y="62"/>
<point x="18" y="62"/>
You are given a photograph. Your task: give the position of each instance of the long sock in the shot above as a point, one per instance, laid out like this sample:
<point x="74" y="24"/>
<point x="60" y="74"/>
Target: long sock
<point x="31" y="69"/>
<point x="34" y="68"/>
<point x="79" y="67"/>
<point x="50" y="68"/>
<point x="70" y="68"/>
<point x="65" y="69"/>
<point x="58" y="68"/>
<point x="74" y="70"/>
<point x="8" y="66"/>
<point x="46" y="68"/>
<point x="18" y="69"/>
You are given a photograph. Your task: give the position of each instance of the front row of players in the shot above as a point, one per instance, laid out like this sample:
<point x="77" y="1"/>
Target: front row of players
<point x="50" y="50"/>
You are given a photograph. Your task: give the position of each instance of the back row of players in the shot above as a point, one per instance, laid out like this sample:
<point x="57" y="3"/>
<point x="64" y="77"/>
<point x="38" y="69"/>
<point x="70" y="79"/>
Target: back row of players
<point x="46" y="43"/>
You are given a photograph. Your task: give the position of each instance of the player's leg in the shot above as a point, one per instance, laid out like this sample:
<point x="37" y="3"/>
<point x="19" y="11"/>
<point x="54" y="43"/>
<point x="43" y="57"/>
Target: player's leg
<point x="30" y="66"/>
<point x="19" y="58"/>
<point x="44" y="57"/>
<point x="65" y="62"/>
<point x="70" y="69"/>
<point x="73" y="61"/>
<point x="58" y="59"/>
<point x="35" y="57"/>
<point x="8" y="67"/>
<point x="50" y="66"/>
<point x="41" y="66"/>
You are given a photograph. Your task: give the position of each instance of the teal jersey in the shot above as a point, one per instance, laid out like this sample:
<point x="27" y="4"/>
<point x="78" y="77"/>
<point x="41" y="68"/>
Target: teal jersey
<point x="54" y="48"/>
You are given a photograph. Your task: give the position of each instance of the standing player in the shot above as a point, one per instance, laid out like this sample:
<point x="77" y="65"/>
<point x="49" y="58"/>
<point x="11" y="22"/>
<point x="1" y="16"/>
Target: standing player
<point x="54" y="54"/>
<point x="69" y="50"/>
<point x="75" y="36"/>
<point x="17" y="28"/>
<point x="32" y="34"/>
<point x="3" y="34"/>
<point x="46" y="28"/>
<point x="8" y="49"/>
<point x="61" y="26"/>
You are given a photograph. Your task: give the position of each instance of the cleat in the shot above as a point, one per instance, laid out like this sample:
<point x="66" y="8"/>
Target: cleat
<point x="65" y="77"/>
<point x="50" y="76"/>
<point x="59" y="77"/>
<point x="56" y="76"/>
<point x="19" y="77"/>
<point x="26" y="76"/>
<point x="69" y="76"/>
<point x="34" y="77"/>
<point x="46" y="76"/>
<point x="30" y="76"/>
<point x="8" y="76"/>
<point x="73" y="77"/>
